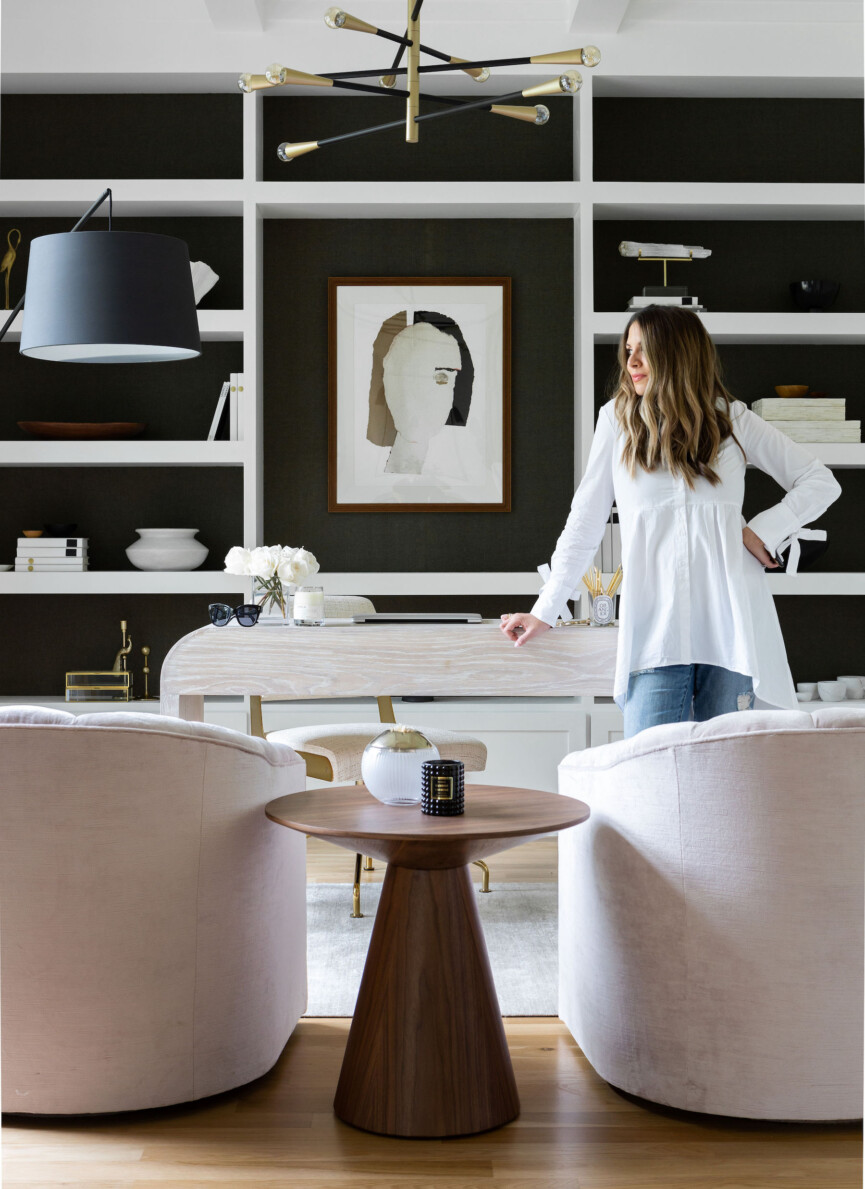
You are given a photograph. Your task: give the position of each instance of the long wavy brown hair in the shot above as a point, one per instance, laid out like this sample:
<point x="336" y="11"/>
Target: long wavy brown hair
<point x="684" y="414"/>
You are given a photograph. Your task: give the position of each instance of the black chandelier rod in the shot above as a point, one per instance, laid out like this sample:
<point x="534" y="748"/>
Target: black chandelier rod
<point x="448" y="65"/>
<point x="391" y="91"/>
<point x="486" y="103"/>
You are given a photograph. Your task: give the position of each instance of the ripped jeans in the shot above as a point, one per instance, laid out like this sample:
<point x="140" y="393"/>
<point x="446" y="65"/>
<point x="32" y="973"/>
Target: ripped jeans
<point x="666" y="694"/>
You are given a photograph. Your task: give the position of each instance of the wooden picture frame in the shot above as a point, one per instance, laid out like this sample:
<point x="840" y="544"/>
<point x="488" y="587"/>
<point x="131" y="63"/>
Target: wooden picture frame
<point x="419" y="397"/>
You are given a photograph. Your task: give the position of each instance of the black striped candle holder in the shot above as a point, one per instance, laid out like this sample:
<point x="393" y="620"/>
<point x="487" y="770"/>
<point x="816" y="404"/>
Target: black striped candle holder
<point x="442" y="787"/>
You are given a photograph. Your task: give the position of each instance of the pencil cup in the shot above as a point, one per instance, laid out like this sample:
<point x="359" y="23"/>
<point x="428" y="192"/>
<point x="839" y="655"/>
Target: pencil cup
<point x="442" y="788"/>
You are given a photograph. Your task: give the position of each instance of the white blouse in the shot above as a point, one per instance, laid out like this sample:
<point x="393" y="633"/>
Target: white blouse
<point x="691" y="592"/>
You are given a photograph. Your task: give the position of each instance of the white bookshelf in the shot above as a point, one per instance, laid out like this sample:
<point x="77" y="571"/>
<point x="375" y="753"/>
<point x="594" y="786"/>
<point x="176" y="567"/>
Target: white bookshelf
<point x="582" y="200"/>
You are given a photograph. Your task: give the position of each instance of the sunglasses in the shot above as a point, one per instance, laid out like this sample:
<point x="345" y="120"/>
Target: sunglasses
<point x="246" y="614"/>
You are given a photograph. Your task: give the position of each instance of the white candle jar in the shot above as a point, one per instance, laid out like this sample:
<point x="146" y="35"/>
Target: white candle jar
<point x="308" y="606"/>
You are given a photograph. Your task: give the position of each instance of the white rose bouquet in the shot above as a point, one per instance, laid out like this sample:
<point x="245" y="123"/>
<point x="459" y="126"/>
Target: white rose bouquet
<point x="275" y="566"/>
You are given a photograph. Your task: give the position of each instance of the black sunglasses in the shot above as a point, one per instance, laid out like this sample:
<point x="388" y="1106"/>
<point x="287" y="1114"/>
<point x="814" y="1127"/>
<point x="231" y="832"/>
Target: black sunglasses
<point x="246" y="614"/>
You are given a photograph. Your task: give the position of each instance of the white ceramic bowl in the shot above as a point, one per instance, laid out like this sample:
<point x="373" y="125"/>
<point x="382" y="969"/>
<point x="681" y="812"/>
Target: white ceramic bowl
<point x="804" y="696"/>
<point x="5" y="568"/>
<point x="832" y="691"/>
<point x="854" y="687"/>
<point x="808" y="689"/>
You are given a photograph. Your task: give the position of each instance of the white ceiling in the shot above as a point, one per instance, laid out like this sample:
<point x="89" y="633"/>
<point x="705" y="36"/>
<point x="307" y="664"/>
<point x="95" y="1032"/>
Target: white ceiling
<point x="203" y="44"/>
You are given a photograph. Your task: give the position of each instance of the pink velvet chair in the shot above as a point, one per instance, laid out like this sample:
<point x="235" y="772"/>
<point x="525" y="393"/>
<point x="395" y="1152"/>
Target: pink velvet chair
<point x="153" y="920"/>
<point x="711" y="913"/>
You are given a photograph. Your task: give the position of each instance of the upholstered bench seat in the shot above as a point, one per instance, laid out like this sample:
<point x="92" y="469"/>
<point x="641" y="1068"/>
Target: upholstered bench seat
<point x="342" y="745"/>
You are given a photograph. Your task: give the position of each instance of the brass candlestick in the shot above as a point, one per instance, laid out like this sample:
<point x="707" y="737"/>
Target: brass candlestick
<point x="145" y="652"/>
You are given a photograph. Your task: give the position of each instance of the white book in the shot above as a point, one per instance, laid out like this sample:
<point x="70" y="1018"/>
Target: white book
<point x="802" y="408"/>
<point x="217" y="415"/>
<point x="821" y="431"/>
<point x="57" y="564"/>
<point x="50" y="554"/>
<point x="688" y="303"/>
<point x="235" y="397"/>
<point x="53" y="542"/>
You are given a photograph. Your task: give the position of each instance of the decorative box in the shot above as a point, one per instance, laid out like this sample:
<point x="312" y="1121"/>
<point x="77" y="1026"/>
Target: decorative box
<point x="95" y="685"/>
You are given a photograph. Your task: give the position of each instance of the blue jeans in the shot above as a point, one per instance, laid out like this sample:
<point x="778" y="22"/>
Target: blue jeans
<point x="665" y="694"/>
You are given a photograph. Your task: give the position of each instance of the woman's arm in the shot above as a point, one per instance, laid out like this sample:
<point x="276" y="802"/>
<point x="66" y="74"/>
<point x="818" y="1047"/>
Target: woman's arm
<point x="811" y="487"/>
<point x="584" y="528"/>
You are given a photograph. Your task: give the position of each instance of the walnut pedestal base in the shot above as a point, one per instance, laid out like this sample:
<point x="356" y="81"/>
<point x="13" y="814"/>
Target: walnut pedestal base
<point x="426" y="1054"/>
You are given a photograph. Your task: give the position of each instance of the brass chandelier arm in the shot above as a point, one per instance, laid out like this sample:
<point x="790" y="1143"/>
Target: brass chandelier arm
<point x="412" y="104"/>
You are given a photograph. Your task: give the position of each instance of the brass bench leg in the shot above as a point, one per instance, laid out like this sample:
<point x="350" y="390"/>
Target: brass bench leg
<point x="355" y="891"/>
<point x="485" y="882"/>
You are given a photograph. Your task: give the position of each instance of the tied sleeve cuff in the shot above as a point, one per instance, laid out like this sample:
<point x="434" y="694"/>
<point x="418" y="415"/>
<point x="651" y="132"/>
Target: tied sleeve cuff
<point x="773" y="526"/>
<point x="804" y="534"/>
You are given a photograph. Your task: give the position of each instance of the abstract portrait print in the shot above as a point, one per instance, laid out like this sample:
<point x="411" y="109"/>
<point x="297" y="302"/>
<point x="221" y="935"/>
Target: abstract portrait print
<point x="421" y="380"/>
<point x="418" y="394"/>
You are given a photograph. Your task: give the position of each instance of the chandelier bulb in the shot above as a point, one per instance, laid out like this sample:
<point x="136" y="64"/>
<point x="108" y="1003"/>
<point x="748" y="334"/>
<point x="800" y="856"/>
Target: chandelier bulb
<point x="543" y="114"/>
<point x="335" y="18"/>
<point x="591" y="55"/>
<point x="288" y="151"/>
<point x="276" y="74"/>
<point x="481" y="75"/>
<point x="244" y="83"/>
<point x="570" y="81"/>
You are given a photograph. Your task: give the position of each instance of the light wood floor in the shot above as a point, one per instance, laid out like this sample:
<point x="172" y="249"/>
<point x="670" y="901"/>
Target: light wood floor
<point x="574" y="1131"/>
<point x="534" y="862"/>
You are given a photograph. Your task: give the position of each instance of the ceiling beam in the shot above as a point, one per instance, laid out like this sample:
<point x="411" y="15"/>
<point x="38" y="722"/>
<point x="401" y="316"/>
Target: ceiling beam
<point x="236" y="16"/>
<point x="598" y="16"/>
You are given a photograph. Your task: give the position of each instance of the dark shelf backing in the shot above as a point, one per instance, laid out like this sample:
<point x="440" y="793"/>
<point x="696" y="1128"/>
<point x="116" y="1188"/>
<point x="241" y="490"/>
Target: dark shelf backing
<point x="176" y="401"/>
<point x="474" y="147"/>
<point x="537" y="255"/>
<point x="727" y="140"/>
<point x="122" y="136"/>
<point x="751" y="266"/>
<point x="109" y="503"/>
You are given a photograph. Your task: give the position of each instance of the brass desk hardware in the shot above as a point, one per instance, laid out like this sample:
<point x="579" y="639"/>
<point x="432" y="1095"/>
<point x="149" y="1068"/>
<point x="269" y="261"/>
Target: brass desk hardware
<point x="145" y="652"/>
<point x="689" y="259"/>
<point x="124" y="650"/>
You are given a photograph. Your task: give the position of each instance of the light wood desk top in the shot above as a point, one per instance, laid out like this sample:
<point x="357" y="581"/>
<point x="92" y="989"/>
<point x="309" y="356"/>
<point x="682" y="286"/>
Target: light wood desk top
<point x="342" y="660"/>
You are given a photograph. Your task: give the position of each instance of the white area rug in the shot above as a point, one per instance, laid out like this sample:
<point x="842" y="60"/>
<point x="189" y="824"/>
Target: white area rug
<point x="520" y="925"/>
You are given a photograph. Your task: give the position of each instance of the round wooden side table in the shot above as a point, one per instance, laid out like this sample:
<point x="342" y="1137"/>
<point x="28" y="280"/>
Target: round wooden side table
<point x="426" y="1053"/>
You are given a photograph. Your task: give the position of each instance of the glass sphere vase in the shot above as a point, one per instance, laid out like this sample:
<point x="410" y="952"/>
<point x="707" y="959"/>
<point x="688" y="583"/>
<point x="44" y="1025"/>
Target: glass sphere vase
<point x="392" y="765"/>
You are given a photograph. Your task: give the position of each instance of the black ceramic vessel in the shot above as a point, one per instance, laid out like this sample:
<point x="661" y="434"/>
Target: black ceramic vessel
<point x="814" y="296"/>
<point x="442" y="788"/>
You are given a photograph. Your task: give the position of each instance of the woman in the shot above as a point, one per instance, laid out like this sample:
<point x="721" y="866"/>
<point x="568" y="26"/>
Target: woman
<point x="697" y="622"/>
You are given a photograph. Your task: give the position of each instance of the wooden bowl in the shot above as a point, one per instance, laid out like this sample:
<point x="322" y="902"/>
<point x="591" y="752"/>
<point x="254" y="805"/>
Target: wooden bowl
<point x="92" y="431"/>
<point x="792" y="389"/>
<point x="32" y="532"/>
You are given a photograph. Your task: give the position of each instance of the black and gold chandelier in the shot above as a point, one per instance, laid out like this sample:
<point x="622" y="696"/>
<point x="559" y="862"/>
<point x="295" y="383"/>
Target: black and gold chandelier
<point x="568" y="82"/>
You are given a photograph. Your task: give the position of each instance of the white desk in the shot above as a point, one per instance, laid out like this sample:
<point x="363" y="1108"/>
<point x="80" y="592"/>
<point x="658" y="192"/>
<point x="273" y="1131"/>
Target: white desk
<point x="343" y="660"/>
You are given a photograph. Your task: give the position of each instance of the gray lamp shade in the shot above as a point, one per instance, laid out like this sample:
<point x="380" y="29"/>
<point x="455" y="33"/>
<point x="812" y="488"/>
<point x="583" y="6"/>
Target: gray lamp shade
<point x="109" y="297"/>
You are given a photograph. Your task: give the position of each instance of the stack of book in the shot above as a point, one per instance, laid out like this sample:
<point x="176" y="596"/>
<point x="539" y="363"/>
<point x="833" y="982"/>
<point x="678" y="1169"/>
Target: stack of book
<point x="61" y="554"/>
<point x="809" y="418"/>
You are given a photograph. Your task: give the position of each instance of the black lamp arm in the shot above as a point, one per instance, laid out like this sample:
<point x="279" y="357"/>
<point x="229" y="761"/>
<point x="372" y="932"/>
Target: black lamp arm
<point x="87" y="215"/>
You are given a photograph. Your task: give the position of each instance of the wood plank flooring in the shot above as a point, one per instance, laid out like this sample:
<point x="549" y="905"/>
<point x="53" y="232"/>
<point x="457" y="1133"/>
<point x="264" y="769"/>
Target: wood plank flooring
<point x="574" y="1131"/>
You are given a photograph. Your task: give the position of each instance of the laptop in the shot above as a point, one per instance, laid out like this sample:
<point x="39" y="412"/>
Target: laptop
<point x="418" y="617"/>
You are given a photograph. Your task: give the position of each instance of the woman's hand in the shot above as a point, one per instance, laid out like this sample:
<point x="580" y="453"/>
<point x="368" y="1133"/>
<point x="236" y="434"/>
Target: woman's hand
<point x="521" y="627"/>
<point x="754" y="545"/>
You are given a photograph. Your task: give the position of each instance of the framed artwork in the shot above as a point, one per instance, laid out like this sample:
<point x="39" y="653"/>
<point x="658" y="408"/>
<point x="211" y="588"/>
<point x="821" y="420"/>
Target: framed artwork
<point x="419" y="394"/>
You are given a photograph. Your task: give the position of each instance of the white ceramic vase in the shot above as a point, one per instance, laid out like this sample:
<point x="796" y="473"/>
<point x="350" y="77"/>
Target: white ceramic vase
<point x="167" y="549"/>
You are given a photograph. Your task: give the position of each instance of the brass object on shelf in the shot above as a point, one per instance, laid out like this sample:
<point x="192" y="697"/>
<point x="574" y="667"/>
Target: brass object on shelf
<point x="9" y="257"/>
<point x="145" y="652"/>
<point x="99" y="685"/>
<point x="123" y="651"/>
<point x="689" y="259"/>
